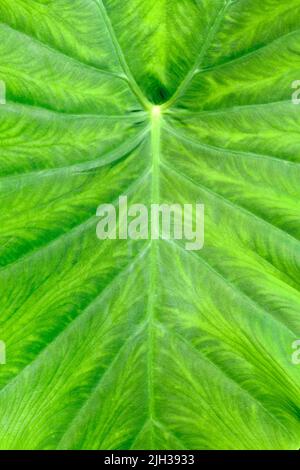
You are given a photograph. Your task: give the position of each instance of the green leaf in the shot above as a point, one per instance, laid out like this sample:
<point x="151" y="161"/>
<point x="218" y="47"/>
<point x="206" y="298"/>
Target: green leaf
<point x="124" y="344"/>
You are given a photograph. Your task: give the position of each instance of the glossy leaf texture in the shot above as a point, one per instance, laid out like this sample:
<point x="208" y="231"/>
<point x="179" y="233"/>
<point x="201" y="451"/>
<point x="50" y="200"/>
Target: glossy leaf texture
<point x="140" y="344"/>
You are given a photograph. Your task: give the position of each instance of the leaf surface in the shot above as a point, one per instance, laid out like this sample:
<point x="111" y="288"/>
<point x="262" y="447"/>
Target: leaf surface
<point x="124" y="344"/>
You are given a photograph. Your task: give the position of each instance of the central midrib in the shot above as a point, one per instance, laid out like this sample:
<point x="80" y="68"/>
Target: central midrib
<point x="156" y="120"/>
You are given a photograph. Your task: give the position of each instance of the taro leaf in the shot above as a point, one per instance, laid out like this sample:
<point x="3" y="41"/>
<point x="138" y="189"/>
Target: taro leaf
<point x="139" y="344"/>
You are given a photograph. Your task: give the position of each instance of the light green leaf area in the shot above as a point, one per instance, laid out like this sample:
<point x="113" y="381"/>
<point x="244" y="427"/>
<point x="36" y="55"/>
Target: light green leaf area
<point x="140" y="344"/>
